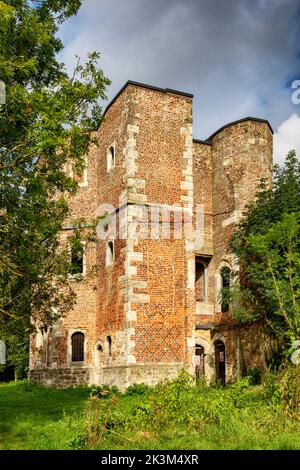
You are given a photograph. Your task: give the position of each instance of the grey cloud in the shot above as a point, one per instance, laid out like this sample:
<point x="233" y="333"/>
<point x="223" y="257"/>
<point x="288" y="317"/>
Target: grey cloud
<point x="234" y="55"/>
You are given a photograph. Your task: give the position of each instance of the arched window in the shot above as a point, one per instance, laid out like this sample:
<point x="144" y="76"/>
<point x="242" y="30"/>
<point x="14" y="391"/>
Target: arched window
<point x="220" y="362"/>
<point x="225" y="285"/>
<point x="200" y="282"/>
<point x="77" y="341"/>
<point x="109" y="345"/>
<point x="110" y="253"/>
<point x="77" y="253"/>
<point x="110" y="158"/>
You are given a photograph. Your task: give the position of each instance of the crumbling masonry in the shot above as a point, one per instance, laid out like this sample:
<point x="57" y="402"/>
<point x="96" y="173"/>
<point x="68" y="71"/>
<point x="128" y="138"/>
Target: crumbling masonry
<point x="154" y="305"/>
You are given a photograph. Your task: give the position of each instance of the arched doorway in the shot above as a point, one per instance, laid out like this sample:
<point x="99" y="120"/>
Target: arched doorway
<point x="77" y="342"/>
<point x="199" y="361"/>
<point x="220" y="362"/>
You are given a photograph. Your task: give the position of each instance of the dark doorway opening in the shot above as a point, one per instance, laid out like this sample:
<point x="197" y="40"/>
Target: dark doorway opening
<point x="199" y="361"/>
<point x="220" y="362"/>
<point x="225" y="277"/>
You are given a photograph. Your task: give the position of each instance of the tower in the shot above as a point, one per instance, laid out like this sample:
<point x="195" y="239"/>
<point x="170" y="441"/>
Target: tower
<point x="146" y="300"/>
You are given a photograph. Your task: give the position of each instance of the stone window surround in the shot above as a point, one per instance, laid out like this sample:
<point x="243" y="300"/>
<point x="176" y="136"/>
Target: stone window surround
<point x="209" y="354"/>
<point x="103" y="357"/>
<point x="85" y="346"/>
<point x="216" y="337"/>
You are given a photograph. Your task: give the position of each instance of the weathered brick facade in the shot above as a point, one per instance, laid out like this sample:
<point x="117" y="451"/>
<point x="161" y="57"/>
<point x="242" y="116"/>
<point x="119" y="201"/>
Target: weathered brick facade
<point x="144" y="312"/>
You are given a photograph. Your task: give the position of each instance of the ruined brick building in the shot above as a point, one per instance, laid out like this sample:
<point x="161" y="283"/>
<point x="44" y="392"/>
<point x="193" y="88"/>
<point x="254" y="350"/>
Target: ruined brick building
<point x="154" y="306"/>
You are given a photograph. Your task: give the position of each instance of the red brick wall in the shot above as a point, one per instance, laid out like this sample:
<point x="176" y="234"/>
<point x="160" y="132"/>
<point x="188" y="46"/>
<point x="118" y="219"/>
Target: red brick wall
<point x="241" y="155"/>
<point x="163" y="324"/>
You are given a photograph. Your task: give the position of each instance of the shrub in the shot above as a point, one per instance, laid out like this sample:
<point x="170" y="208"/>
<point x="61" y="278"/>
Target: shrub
<point x="100" y="420"/>
<point x="180" y="402"/>
<point x="271" y="390"/>
<point x="289" y="390"/>
<point x="283" y="390"/>
<point x="254" y="375"/>
<point x="184" y="408"/>
<point x="237" y="392"/>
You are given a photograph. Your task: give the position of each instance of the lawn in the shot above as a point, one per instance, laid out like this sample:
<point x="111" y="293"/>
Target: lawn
<point x="173" y="417"/>
<point x="34" y="417"/>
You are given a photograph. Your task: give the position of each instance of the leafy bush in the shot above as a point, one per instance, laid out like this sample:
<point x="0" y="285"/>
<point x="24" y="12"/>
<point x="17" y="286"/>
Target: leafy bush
<point x="185" y="408"/>
<point x="104" y="391"/>
<point x="27" y="386"/>
<point x="254" y="375"/>
<point x="169" y="401"/>
<point x="180" y="402"/>
<point x="283" y="390"/>
<point x="271" y="390"/>
<point x="289" y="390"/>
<point x="238" y="395"/>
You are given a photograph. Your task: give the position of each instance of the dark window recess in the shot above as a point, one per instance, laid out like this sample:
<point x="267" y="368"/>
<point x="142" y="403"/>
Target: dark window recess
<point x="112" y="156"/>
<point x="110" y="254"/>
<point x="77" y="260"/>
<point x="225" y="277"/>
<point x="77" y="347"/>
<point x="109" y="345"/>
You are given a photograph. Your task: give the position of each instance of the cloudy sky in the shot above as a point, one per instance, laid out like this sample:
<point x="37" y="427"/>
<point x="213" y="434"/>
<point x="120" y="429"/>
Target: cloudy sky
<point x="238" y="57"/>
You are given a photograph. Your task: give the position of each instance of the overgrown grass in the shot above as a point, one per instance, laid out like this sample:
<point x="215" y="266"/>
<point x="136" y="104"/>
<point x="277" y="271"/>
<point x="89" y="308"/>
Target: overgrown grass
<point x="177" y="415"/>
<point x="33" y="417"/>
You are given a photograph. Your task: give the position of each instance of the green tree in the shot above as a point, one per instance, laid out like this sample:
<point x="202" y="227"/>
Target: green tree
<point x="267" y="245"/>
<point x="45" y="124"/>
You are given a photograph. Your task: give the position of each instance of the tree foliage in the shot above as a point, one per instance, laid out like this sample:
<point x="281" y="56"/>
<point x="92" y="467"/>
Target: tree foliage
<point x="46" y="123"/>
<point x="267" y="245"/>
